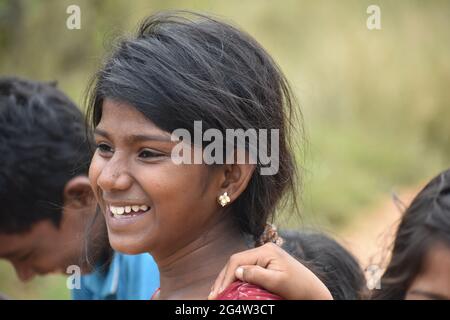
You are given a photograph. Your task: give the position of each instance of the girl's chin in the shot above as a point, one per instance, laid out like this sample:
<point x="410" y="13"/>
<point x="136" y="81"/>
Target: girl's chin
<point x="130" y="234"/>
<point x="127" y="245"/>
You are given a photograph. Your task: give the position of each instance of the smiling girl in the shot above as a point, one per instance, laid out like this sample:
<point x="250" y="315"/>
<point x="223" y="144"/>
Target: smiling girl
<point x="178" y="69"/>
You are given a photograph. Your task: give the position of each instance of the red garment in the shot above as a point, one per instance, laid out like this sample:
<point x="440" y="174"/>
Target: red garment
<point x="155" y="293"/>
<point x="239" y="290"/>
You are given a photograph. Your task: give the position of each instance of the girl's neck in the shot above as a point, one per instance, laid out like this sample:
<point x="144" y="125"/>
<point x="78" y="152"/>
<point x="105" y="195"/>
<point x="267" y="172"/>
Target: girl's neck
<point x="190" y="272"/>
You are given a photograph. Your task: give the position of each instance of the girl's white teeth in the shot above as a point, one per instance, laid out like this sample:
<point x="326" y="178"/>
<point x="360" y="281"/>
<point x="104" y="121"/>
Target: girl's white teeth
<point x="127" y="209"/>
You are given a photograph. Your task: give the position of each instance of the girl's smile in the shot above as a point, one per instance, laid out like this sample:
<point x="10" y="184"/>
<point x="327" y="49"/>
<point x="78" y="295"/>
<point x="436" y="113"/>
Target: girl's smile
<point x="126" y="208"/>
<point x="121" y="215"/>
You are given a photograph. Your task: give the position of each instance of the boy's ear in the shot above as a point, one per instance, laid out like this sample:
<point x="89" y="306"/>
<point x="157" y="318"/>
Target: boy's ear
<point x="78" y="192"/>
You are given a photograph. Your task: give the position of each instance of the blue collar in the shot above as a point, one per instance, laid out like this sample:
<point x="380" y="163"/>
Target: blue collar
<point x="104" y="281"/>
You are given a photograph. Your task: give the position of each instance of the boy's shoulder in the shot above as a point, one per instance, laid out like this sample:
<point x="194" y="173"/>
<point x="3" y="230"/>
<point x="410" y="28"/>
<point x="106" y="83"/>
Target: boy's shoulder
<point x="126" y="277"/>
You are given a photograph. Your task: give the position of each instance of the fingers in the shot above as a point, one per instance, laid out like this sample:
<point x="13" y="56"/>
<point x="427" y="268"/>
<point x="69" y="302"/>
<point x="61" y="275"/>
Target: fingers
<point x="259" y="276"/>
<point x="250" y="257"/>
<point x="260" y="256"/>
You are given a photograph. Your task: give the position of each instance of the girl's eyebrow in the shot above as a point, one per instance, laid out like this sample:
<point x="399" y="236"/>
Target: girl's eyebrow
<point x="101" y="133"/>
<point x="133" y="138"/>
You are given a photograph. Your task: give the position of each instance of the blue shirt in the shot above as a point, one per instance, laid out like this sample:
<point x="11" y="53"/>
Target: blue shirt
<point x="128" y="277"/>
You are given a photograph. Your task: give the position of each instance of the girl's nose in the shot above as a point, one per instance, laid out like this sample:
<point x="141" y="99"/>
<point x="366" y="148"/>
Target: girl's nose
<point x="114" y="177"/>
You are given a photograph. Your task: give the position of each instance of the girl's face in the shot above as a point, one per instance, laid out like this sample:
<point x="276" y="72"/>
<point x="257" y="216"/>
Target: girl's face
<point x="433" y="281"/>
<point x="150" y="203"/>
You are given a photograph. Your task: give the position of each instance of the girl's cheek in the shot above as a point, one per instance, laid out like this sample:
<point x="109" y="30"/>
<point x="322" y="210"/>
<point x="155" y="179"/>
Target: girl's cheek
<point x="94" y="172"/>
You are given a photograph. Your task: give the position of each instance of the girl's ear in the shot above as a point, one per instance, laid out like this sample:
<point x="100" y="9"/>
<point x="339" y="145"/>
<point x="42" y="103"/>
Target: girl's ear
<point x="235" y="179"/>
<point x="78" y="193"/>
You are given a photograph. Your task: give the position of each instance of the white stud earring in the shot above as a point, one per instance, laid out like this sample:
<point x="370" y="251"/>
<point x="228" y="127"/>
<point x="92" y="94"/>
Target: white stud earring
<point x="224" y="199"/>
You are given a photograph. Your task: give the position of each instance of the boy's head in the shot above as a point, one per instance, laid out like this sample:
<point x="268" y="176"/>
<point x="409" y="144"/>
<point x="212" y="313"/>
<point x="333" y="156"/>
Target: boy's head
<point x="332" y="263"/>
<point x="44" y="191"/>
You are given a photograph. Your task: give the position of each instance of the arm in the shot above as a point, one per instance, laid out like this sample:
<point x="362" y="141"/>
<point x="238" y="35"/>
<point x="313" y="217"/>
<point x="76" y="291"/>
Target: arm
<point x="275" y="270"/>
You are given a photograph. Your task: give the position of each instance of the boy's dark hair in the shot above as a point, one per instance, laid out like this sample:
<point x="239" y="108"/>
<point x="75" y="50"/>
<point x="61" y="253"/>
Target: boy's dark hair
<point x="425" y="223"/>
<point x="329" y="261"/>
<point x="42" y="146"/>
<point x="182" y="67"/>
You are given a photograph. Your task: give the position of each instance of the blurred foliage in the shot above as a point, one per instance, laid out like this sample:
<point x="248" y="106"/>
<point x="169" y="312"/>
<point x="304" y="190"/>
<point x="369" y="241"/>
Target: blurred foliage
<point x="375" y="103"/>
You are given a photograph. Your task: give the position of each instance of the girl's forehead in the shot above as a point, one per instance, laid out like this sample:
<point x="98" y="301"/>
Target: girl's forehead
<point x="120" y="119"/>
<point x="114" y="112"/>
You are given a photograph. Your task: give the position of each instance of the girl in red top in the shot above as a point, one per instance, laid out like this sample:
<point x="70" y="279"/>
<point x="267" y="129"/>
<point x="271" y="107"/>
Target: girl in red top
<point x="192" y="122"/>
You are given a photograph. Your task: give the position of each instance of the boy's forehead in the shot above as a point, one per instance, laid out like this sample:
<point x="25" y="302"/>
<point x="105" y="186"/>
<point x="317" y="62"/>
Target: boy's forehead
<point x="11" y="243"/>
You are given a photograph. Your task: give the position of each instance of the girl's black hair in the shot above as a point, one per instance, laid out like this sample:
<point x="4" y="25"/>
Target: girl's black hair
<point x="425" y="223"/>
<point x="334" y="265"/>
<point x="181" y="67"/>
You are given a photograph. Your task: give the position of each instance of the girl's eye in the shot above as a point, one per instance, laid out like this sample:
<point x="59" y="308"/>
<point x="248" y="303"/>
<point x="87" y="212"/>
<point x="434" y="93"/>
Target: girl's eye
<point x="104" y="148"/>
<point x="147" y="154"/>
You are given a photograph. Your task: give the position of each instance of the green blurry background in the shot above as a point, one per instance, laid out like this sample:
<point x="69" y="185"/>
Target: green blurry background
<point x="375" y="103"/>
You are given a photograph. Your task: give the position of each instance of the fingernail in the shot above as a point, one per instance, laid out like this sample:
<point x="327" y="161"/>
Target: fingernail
<point x="239" y="273"/>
